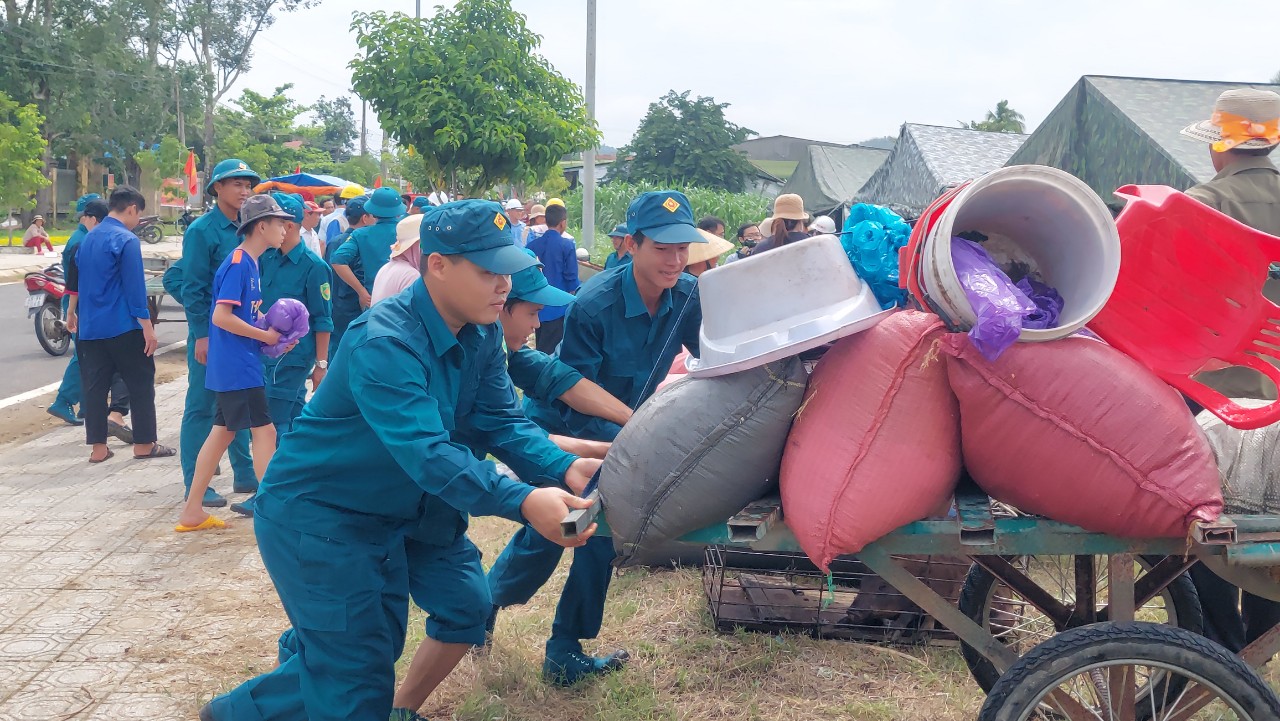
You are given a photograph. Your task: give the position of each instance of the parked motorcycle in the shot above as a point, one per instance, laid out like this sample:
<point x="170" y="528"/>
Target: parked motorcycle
<point x="149" y="229"/>
<point x="45" y="289"/>
<point x="186" y="219"/>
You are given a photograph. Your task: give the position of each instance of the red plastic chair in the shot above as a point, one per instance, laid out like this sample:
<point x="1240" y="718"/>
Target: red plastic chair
<point x="1189" y="297"/>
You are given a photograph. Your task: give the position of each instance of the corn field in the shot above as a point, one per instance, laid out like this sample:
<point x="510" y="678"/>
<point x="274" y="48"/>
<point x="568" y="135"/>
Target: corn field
<point x="612" y="200"/>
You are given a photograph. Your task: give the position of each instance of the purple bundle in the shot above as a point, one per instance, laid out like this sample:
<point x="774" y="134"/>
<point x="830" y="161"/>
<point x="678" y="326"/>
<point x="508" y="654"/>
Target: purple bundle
<point x="289" y="318"/>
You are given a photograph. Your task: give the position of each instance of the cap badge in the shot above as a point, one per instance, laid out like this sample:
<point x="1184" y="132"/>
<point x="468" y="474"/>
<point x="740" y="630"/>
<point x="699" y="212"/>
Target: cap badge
<point x="243" y="167"/>
<point x="499" y="221"/>
<point x="671" y="205"/>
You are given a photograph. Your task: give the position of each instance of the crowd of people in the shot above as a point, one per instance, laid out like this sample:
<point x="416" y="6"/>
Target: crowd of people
<point x="420" y="367"/>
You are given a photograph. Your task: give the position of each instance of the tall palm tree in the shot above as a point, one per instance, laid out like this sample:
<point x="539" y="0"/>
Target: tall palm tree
<point x="1004" y="120"/>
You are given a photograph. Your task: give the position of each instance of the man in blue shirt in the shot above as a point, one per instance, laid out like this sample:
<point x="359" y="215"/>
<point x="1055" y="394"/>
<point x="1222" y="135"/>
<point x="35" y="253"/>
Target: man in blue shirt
<point x="208" y="241"/>
<point x="519" y="229"/>
<point x="622" y="331"/>
<point x="115" y="331"/>
<point x="378" y="453"/>
<point x="560" y="264"/>
<point x="92" y="210"/>
<point x="372" y="245"/>
<point x="621" y="240"/>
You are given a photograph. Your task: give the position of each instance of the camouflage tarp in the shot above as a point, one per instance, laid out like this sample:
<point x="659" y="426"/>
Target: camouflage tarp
<point x="1111" y="132"/>
<point x="928" y="159"/>
<point x="827" y="177"/>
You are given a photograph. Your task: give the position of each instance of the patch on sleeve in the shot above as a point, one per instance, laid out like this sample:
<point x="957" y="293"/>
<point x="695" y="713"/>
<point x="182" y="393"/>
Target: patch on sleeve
<point x="324" y="291"/>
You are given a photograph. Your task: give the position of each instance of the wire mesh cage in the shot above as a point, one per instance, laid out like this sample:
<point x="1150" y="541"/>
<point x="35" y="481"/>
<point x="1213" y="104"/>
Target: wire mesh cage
<point x="776" y="592"/>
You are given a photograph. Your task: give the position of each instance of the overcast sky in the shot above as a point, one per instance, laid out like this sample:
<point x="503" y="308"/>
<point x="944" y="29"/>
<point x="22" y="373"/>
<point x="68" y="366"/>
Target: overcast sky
<point x="834" y="70"/>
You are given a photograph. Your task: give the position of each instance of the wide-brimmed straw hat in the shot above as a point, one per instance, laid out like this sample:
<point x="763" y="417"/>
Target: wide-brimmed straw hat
<point x="713" y="248"/>
<point x="1244" y="118"/>
<point x="789" y="206"/>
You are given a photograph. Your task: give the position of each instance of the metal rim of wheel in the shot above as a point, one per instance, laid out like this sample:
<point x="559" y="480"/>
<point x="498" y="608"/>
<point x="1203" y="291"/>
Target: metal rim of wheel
<point x="153" y="234"/>
<point x="54" y="339"/>
<point x="1094" y="673"/>
<point x="1176" y="605"/>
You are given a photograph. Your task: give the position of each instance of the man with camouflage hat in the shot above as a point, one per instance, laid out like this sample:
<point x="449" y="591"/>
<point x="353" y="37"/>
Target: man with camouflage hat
<point x="207" y="242"/>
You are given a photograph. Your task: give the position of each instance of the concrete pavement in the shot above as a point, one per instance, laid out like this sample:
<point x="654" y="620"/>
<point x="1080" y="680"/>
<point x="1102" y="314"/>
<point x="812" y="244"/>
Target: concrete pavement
<point x="15" y="265"/>
<point x="106" y="613"/>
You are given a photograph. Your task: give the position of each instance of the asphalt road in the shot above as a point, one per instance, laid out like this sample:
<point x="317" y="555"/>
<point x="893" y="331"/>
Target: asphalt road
<point x="23" y="363"/>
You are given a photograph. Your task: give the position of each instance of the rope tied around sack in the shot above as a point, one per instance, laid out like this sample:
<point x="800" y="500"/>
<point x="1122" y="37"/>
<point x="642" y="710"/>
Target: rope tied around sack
<point x="829" y="595"/>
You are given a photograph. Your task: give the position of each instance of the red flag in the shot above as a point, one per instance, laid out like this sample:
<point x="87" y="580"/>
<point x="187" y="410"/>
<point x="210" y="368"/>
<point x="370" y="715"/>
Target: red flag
<point x="297" y="169"/>
<point x="190" y="172"/>
<point x="377" y="182"/>
<point x="410" y="186"/>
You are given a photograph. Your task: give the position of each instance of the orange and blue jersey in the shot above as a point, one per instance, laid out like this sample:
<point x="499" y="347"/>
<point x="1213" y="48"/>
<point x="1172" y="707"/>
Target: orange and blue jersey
<point x="235" y="361"/>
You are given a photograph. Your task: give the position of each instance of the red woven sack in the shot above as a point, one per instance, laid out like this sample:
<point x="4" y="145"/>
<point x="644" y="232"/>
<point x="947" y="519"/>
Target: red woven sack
<point x="1079" y="432"/>
<point x="876" y="443"/>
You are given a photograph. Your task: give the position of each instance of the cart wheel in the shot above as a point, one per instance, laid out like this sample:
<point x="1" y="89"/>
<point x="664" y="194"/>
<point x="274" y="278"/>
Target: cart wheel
<point x="1012" y="619"/>
<point x="1100" y="672"/>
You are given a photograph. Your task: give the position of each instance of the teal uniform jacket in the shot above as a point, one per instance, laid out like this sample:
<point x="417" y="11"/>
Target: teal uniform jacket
<point x="372" y="245"/>
<point x="69" y="257"/>
<point x="373" y="451"/>
<point x="208" y="241"/>
<point x="539" y="375"/>
<point x="613" y="261"/>
<point x="299" y="274"/>
<point x="610" y="338"/>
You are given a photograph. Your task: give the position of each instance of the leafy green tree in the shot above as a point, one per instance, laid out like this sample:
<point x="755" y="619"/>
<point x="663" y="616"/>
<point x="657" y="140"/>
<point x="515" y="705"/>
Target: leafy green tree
<point x="362" y="169"/>
<point x="1003" y="120"/>
<point x="687" y="142"/>
<point x="261" y="130"/>
<point x="22" y="148"/>
<point x="337" y="126"/>
<point x="469" y="92"/>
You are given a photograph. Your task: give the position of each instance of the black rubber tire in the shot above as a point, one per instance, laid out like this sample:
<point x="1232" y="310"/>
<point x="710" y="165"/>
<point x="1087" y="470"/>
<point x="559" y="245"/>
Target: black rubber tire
<point x="56" y="345"/>
<point x="152" y="234"/>
<point x="1018" y="692"/>
<point x="976" y="594"/>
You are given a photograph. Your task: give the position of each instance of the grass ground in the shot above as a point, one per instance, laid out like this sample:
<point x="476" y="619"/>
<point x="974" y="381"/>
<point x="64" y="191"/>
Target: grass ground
<point x="682" y="668"/>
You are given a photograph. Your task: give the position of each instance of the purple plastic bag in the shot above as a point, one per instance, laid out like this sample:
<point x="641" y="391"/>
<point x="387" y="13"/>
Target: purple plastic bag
<point x="289" y="318"/>
<point x="999" y="305"/>
<point x="1048" y="304"/>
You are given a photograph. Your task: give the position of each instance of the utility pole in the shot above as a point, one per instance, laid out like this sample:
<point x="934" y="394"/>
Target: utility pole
<point x="364" y="127"/>
<point x="589" y="156"/>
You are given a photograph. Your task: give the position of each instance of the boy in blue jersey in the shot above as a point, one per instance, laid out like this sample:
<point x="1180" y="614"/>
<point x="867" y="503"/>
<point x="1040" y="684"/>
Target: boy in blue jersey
<point x="235" y="361"/>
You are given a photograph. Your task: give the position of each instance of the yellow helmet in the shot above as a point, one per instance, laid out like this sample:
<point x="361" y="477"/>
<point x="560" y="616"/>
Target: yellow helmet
<point x="351" y="191"/>
<point x="555" y="201"/>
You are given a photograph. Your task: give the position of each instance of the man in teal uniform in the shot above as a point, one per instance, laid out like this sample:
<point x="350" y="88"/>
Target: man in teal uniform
<point x="376" y="454"/>
<point x="620" y="239"/>
<point x="372" y="245"/>
<point x="623" y="331"/>
<point x="208" y="241"/>
<point x="64" y="404"/>
<point x="346" y="302"/>
<point x="295" y="272"/>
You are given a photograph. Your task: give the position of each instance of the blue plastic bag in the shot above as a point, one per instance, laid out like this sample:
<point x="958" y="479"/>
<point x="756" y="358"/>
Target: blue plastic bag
<point x="999" y="305"/>
<point x="871" y="238"/>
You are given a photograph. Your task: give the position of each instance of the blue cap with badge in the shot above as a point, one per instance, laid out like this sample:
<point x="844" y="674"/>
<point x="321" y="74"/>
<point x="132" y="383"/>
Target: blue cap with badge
<point x="531" y="286"/>
<point x="664" y="216"/>
<point x="478" y="231"/>
<point x="291" y="204"/>
<point x="84" y="201"/>
<point x="228" y="169"/>
<point x="619" y="231"/>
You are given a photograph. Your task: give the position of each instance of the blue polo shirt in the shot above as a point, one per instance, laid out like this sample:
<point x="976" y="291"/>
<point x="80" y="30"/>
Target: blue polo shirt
<point x="208" y="241"/>
<point x="372" y="245"/>
<point x="559" y="258"/>
<point x="235" y="361"/>
<point x="611" y="339"/>
<point x="301" y="275"/>
<point x="384" y="447"/>
<point x="539" y="375"/>
<point x="110" y="282"/>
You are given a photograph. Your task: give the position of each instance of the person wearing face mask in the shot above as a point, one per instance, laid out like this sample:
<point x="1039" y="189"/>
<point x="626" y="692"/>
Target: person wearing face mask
<point x="748" y="237"/>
